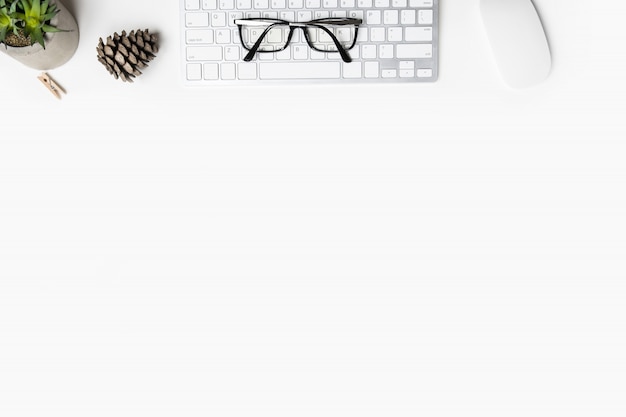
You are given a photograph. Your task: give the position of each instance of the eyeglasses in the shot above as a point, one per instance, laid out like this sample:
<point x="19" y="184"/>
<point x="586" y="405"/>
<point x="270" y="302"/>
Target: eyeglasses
<point x="273" y="35"/>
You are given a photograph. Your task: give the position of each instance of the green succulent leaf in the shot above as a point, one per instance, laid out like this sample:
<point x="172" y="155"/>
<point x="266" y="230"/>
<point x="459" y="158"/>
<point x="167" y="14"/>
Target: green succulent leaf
<point x="7" y="19"/>
<point x="28" y="17"/>
<point x="51" y="29"/>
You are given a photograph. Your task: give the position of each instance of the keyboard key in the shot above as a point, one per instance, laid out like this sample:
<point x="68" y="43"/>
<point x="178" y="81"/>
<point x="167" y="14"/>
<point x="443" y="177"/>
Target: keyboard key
<point x="352" y="70"/>
<point x="362" y="36"/>
<point x="199" y="36"/>
<point x="414" y="50"/>
<point x="228" y="71"/>
<point x="222" y="36"/>
<point x="389" y="73"/>
<point x="371" y="69"/>
<point x="232" y="16"/>
<point x="373" y="17"/>
<point x="300" y="52"/>
<point x="394" y="34"/>
<point x="356" y="14"/>
<point x="317" y="55"/>
<point x="227" y="4"/>
<point x="304" y="16"/>
<point x="424" y="73"/>
<point x="385" y="51"/>
<point x="377" y="34"/>
<point x="192" y="4"/>
<point x="390" y="17"/>
<point x="204" y="53"/>
<point x="218" y="19"/>
<point x="368" y="51"/>
<point x="194" y="20"/>
<point x="407" y="17"/>
<point x="283" y="55"/>
<point x="425" y="17"/>
<point x="194" y="72"/>
<point x="294" y="70"/>
<point x="246" y="70"/>
<point x="232" y="53"/>
<point x="211" y="72"/>
<point x="418" y="34"/>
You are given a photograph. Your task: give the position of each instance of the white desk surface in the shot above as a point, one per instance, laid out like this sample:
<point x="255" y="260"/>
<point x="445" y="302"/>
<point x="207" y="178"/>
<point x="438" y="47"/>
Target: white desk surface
<point x="365" y="250"/>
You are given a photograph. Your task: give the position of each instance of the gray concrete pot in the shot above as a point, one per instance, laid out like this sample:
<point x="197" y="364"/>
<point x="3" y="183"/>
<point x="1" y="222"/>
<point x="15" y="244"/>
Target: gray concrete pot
<point x="60" y="46"/>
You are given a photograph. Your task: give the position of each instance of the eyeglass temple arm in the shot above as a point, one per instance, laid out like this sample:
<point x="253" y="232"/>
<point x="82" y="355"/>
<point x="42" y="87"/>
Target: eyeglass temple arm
<point x="340" y="49"/>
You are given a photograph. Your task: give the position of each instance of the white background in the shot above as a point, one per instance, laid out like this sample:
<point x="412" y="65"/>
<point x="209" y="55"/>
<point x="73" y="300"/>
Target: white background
<point x="450" y="249"/>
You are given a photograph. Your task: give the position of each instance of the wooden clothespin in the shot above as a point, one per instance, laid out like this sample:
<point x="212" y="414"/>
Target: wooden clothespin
<point x="51" y="85"/>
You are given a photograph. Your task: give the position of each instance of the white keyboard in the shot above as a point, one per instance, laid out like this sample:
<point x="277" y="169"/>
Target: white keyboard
<point x="397" y="42"/>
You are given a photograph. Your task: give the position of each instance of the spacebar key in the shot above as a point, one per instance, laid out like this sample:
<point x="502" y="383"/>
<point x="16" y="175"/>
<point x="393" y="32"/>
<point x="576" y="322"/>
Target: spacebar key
<point x="298" y="70"/>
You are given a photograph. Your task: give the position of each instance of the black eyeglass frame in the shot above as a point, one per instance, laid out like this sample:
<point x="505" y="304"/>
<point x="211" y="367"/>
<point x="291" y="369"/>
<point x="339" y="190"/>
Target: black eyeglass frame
<point x="316" y="23"/>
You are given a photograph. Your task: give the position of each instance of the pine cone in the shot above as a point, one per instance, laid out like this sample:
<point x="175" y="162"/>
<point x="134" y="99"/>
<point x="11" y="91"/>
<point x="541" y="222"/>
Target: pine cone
<point x="123" y="56"/>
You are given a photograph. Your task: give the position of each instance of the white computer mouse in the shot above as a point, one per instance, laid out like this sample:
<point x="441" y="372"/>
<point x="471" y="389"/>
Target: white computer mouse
<point x="518" y="41"/>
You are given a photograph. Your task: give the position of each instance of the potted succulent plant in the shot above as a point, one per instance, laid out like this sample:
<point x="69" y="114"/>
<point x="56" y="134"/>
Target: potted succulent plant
<point x="41" y="34"/>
